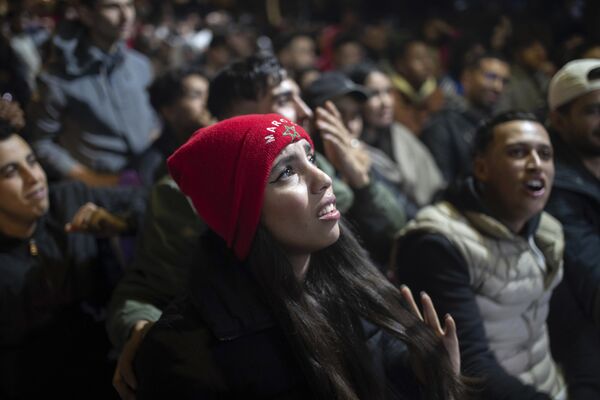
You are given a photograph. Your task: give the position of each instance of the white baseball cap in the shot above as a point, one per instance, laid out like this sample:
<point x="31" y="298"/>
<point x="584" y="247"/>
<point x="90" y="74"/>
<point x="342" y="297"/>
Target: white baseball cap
<point x="573" y="80"/>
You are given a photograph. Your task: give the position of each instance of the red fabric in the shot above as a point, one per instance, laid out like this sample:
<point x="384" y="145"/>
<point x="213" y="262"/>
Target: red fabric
<point x="224" y="169"/>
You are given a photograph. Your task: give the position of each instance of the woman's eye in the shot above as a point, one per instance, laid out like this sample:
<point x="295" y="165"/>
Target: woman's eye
<point x="9" y="172"/>
<point x="312" y="158"/>
<point x="286" y="173"/>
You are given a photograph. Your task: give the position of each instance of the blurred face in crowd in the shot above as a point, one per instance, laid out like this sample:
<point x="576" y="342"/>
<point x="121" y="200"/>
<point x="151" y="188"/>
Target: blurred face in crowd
<point x="23" y="186"/>
<point x="516" y="172"/>
<point x="109" y="20"/>
<point x="379" y="108"/>
<point x="484" y="85"/>
<point x="580" y="124"/>
<point x="533" y="57"/>
<point x="350" y="110"/>
<point x="299" y="205"/>
<point x="284" y="99"/>
<point x="348" y="54"/>
<point x="417" y="64"/>
<point x="189" y="112"/>
<point x="301" y="53"/>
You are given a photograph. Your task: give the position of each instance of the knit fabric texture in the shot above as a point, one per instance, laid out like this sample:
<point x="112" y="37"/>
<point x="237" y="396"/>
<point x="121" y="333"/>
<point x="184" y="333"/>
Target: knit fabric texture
<point x="224" y="169"/>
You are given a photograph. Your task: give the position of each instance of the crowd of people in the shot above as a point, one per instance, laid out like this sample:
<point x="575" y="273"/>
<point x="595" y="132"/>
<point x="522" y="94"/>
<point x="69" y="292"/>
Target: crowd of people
<point x="209" y="200"/>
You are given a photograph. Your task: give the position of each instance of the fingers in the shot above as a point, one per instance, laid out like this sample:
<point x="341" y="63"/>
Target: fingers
<point x="407" y="294"/>
<point x="429" y="313"/>
<point x="450" y="327"/>
<point x="333" y="109"/>
<point x="125" y="391"/>
<point x="93" y="219"/>
<point x="124" y="379"/>
<point x="325" y="115"/>
<point x="82" y="218"/>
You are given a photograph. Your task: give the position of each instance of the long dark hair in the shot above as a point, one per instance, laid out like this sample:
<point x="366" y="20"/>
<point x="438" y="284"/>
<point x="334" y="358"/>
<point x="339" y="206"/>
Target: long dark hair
<point x="321" y="319"/>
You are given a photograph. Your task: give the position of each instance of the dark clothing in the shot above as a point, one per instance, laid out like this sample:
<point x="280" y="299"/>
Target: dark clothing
<point x="575" y="202"/>
<point x="52" y="293"/>
<point x="429" y="261"/>
<point x="575" y="309"/>
<point x="449" y="137"/>
<point x="223" y="342"/>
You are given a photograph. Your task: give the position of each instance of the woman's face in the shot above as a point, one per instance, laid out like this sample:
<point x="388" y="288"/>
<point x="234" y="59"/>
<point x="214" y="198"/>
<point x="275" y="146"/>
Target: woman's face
<point x="379" y="108"/>
<point x="299" y="205"/>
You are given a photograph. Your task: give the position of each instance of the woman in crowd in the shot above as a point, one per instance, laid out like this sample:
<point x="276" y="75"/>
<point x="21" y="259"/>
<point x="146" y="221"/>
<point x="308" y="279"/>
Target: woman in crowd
<point x="399" y="158"/>
<point x="287" y="304"/>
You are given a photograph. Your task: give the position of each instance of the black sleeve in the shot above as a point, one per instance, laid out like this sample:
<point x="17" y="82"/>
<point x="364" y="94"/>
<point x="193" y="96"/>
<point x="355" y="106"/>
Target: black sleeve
<point x="582" y="247"/>
<point x="127" y="202"/>
<point x="174" y="361"/>
<point x="437" y="139"/>
<point x="430" y="263"/>
<point x="575" y="343"/>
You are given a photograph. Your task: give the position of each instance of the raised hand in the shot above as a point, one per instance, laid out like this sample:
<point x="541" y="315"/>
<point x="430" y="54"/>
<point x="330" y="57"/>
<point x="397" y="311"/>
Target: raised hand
<point x="430" y="317"/>
<point x="96" y="220"/>
<point x="341" y="149"/>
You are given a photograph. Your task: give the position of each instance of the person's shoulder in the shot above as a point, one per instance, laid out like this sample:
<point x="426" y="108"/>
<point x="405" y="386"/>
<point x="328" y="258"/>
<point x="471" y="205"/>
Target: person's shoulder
<point x="137" y="59"/>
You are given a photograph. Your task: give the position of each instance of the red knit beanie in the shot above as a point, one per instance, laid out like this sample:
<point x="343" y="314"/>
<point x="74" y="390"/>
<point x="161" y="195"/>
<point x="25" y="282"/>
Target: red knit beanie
<point x="224" y="169"/>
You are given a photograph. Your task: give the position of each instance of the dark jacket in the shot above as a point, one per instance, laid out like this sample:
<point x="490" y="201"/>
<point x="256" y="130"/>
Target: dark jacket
<point x="449" y="137"/>
<point x="167" y="250"/>
<point x="575" y="202"/>
<point x="575" y="309"/>
<point x="93" y="107"/>
<point x="52" y="297"/>
<point x="222" y="342"/>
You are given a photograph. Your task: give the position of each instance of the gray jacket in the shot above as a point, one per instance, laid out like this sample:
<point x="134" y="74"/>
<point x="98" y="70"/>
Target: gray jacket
<point x="93" y="107"/>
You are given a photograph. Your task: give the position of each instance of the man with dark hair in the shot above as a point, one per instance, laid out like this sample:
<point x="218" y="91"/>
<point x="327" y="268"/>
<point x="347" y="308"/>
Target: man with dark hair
<point x="168" y="250"/>
<point x="93" y="120"/>
<point x="53" y="287"/>
<point x="296" y="51"/>
<point x="574" y="102"/>
<point x="530" y="74"/>
<point x="179" y="96"/>
<point x="491" y="258"/>
<point x="450" y="132"/>
<point x="416" y="88"/>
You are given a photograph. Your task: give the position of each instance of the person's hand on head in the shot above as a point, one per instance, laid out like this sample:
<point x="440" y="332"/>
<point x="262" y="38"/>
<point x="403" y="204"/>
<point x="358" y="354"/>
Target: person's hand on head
<point x="345" y="153"/>
<point x="96" y="220"/>
<point x="124" y="380"/>
<point x="430" y="317"/>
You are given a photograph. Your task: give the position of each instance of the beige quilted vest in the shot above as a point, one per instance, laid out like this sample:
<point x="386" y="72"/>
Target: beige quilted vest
<point x="513" y="279"/>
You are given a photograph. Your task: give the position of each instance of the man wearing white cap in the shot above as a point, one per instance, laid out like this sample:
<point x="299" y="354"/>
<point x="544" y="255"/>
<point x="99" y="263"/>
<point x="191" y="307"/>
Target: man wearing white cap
<point x="574" y="102"/>
<point x="574" y="105"/>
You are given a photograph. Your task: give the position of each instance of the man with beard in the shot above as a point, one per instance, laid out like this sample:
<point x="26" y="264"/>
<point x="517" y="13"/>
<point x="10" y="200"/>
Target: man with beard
<point x="574" y="101"/>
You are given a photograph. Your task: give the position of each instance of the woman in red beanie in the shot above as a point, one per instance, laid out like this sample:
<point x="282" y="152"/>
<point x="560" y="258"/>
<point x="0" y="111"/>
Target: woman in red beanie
<point x="287" y="305"/>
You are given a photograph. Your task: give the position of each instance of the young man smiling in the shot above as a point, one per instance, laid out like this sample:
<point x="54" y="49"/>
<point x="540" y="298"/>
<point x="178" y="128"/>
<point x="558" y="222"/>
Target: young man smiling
<point x="52" y="282"/>
<point x="491" y="257"/>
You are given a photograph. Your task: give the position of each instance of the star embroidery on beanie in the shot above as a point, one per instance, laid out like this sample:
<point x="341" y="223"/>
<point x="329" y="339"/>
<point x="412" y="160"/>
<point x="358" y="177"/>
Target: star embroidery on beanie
<point x="293" y="133"/>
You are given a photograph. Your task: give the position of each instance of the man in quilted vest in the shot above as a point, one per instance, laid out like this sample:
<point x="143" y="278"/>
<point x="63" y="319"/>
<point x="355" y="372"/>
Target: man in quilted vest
<point x="491" y="257"/>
